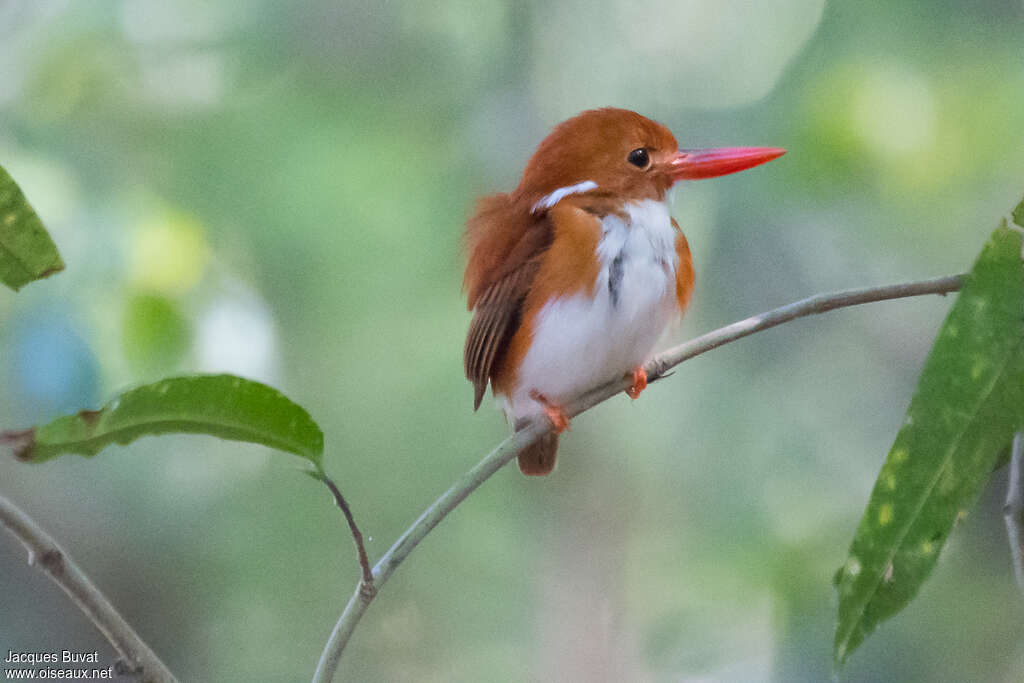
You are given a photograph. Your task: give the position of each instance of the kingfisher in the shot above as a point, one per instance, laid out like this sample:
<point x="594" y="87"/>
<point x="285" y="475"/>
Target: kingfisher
<point x="573" y="276"/>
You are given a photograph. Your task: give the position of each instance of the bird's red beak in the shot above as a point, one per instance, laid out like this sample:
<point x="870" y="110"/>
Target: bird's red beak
<point x="693" y="164"/>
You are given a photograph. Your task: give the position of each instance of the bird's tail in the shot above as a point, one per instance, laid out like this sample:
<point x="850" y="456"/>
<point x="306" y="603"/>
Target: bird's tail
<point x="538" y="459"/>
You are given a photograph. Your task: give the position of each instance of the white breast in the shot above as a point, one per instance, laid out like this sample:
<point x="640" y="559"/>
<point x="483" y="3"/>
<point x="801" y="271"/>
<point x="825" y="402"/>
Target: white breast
<point x="580" y="342"/>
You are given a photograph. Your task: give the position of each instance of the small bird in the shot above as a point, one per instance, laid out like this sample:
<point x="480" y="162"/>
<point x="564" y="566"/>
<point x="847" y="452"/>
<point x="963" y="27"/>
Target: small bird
<point x="574" y="275"/>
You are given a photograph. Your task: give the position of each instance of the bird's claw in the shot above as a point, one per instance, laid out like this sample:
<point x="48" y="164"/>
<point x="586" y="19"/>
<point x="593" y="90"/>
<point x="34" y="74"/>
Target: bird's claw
<point x="556" y="414"/>
<point x="639" y="376"/>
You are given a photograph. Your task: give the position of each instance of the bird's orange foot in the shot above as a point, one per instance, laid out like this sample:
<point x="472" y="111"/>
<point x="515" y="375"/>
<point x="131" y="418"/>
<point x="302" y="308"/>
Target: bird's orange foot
<point x="639" y="383"/>
<point x="555" y="412"/>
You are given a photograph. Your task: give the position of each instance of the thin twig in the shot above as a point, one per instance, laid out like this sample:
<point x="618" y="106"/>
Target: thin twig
<point x="820" y="303"/>
<point x="656" y="369"/>
<point x="43" y="552"/>
<point x="366" y="585"/>
<point x="1013" y="511"/>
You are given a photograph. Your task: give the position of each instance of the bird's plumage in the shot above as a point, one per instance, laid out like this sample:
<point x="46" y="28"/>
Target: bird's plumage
<point x="506" y="245"/>
<point x="573" y="276"/>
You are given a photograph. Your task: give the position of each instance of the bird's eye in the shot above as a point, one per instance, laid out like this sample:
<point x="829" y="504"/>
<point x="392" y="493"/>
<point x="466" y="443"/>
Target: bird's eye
<point x="639" y="158"/>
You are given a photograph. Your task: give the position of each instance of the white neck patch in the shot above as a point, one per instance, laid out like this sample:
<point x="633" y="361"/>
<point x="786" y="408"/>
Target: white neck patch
<point x="549" y="200"/>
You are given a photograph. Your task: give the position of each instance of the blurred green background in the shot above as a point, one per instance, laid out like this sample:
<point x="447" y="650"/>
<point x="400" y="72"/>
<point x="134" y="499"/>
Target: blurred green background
<point x="278" y="190"/>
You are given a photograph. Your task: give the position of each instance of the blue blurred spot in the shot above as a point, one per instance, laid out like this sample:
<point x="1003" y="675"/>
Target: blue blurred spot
<point x="51" y="367"/>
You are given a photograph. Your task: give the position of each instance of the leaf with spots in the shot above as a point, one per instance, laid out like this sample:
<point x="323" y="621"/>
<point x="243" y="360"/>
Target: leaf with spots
<point x="968" y="404"/>
<point x="225" y="406"/>
<point x="26" y="251"/>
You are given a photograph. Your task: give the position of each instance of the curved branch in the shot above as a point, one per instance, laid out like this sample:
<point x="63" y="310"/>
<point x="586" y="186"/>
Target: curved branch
<point x="136" y="657"/>
<point x="656" y="368"/>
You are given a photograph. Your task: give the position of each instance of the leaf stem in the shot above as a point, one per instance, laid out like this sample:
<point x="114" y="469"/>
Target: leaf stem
<point x="656" y="368"/>
<point x="366" y="585"/>
<point x="43" y="552"/>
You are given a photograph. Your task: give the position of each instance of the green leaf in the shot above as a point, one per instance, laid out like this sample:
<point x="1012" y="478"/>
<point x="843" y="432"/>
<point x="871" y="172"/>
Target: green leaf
<point x="225" y="406"/>
<point x="26" y="251"/>
<point x="1018" y="214"/>
<point x="968" y="404"/>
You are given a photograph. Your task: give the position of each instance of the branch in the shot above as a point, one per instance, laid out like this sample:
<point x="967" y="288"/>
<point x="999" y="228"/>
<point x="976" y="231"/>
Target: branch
<point x="656" y="368"/>
<point x="1013" y="511"/>
<point x="136" y="657"/>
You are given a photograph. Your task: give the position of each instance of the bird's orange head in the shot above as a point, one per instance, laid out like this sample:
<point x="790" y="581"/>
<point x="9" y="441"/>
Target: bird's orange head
<point x="623" y="154"/>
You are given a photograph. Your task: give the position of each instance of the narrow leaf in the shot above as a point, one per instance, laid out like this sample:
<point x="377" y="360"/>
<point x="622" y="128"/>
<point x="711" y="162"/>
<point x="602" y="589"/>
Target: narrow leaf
<point x="26" y="251"/>
<point x="225" y="406"/>
<point x="969" y="402"/>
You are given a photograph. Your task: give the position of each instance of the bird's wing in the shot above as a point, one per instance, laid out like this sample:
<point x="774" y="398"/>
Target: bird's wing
<point x="496" y="319"/>
<point x="505" y="250"/>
